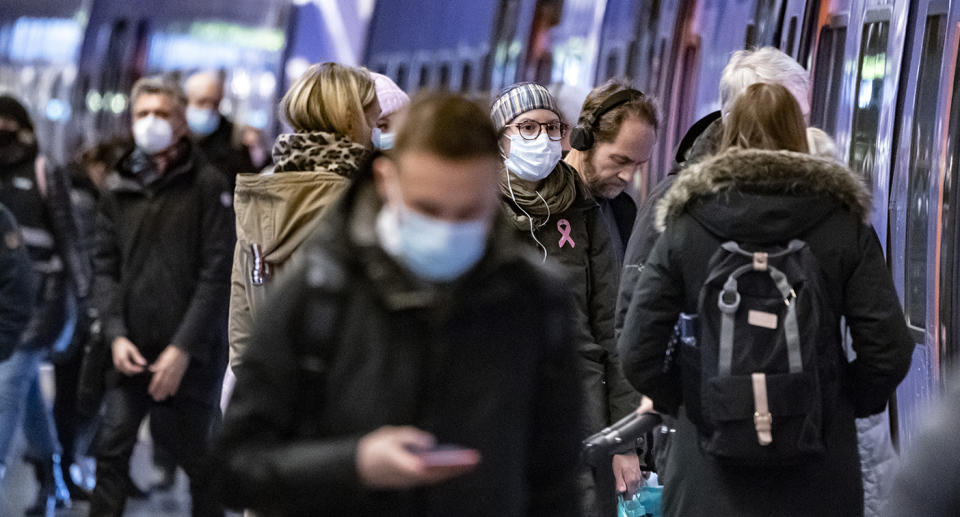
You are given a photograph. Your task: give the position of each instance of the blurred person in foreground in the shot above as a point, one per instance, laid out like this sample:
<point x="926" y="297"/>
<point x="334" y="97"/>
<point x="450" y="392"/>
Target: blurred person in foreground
<point x="213" y="131"/>
<point x="412" y="361"/>
<point x="37" y="193"/>
<point x="164" y="232"/>
<point x="927" y="481"/>
<point x="553" y="214"/>
<point x="762" y="191"/>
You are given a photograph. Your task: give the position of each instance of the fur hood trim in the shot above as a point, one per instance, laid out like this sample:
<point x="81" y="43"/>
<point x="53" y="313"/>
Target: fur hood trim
<point x="765" y="172"/>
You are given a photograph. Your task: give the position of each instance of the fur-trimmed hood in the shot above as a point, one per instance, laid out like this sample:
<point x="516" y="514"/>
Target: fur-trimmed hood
<point x="760" y="186"/>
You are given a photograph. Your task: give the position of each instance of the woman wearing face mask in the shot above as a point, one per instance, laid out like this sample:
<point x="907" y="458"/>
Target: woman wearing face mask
<point x="552" y="212"/>
<point x="392" y="100"/>
<point x="332" y="109"/>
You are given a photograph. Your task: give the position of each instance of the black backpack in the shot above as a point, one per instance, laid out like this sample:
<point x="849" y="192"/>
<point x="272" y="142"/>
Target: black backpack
<point x="755" y="392"/>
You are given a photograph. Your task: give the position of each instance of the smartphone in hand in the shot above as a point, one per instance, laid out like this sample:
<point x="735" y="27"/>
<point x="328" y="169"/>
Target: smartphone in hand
<point x="448" y="455"/>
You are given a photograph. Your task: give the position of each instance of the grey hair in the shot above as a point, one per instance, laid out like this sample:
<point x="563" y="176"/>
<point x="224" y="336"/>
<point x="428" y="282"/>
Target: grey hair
<point x="157" y="85"/>
<point x="764" y="65"/>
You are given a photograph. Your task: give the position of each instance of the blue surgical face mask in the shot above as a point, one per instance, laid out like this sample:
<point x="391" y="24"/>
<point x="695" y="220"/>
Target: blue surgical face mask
<point x="202" y="122"/>
<point x="533" y="160"/>
<point x="433" y="249"/>
<point x="381" y="140"/>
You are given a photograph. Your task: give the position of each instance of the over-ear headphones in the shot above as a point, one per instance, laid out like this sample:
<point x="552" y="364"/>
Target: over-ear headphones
<point x="581" y="138"/>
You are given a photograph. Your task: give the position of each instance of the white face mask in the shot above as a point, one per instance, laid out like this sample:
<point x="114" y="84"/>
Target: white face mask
<point x="382" y="140"/>
<point x="202" y="122"/>
<point x="152" y="134"/>
<point x="533" y="160"/>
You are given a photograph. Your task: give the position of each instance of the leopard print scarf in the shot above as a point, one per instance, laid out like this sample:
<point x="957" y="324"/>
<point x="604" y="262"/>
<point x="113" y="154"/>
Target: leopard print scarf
<point x="318" y="151"/>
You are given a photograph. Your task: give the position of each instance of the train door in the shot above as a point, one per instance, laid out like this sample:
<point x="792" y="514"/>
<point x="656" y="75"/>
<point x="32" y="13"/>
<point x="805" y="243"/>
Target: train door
<point x="948" y="283"/>
<point x="875" y="45"/>
<point x="679" y="83"/>
<point x="915" y="194"/>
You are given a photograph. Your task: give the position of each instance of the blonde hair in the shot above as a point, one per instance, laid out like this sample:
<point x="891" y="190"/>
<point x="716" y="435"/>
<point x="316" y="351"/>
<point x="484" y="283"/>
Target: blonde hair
<point x="765" y="116"/>
<point x="330" y="97"/>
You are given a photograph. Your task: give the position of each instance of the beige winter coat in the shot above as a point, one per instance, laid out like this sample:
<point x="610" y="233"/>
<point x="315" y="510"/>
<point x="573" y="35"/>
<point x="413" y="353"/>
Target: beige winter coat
<point x="275" y="214"/>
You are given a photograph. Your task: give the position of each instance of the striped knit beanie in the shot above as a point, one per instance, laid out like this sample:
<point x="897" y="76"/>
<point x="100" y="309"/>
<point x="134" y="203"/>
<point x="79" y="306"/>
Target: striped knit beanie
<point x="521" y="98"/>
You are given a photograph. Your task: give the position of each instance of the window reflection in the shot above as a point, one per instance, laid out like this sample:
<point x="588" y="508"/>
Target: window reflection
<point x="866" y="116"/>
<point x="827" y="78"/>
<point x="921" y="153"/>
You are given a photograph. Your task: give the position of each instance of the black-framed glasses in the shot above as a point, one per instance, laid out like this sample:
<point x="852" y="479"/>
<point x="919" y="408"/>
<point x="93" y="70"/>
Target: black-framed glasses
<point x="530" y="129"/>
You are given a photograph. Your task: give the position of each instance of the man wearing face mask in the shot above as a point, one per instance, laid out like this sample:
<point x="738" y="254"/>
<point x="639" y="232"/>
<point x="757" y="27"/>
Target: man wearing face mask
<point x="414" y="362"/>
<point x="213" y="132"/>
<point x="552" y="213"/>
<point x="392" y="100"/>
<point x="162" y="264"/>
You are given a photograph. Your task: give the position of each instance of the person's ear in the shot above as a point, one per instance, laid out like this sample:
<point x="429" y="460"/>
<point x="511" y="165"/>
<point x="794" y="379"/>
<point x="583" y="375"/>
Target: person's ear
<point x="384" y="173"/>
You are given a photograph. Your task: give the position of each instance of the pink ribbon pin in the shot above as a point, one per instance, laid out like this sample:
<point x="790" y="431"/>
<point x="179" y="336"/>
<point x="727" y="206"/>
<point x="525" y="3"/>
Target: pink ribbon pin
<point x="564" y="226"/>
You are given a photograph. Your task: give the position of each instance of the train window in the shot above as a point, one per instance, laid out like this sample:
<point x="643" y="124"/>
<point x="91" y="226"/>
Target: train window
<point x="766" y="21"/>
<point x="921" y="154"/>
<point x="613" y="62"/>
<point x="869" y="98"/>
<point x="950" y="234"/>
<point x="466" y="77"/>
<point x="632" y="58"/>
<point x="791" y="35"/>
<point x="444" y="76"/>
<point x="424" y="76"/>
<point x="828" y="73"/>
<point x="750" y="40"/>
<point x="402" y="77"/>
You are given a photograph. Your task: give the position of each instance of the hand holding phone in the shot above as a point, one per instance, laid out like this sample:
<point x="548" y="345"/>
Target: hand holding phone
<point x="447" y="455"/>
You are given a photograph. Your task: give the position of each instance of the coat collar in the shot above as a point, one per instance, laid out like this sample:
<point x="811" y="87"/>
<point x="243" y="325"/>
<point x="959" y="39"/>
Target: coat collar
<point x="759" y="171"/>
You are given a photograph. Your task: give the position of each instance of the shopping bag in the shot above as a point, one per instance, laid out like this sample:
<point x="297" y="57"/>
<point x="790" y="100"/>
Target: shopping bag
<point x="645" y="503"/>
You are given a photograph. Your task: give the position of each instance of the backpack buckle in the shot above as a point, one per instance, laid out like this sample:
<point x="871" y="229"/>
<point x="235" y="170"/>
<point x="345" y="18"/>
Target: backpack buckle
<point x="760" y="261"/>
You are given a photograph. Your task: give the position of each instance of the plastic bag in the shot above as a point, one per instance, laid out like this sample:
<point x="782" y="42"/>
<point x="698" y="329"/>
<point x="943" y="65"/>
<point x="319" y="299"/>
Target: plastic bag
<point x="646" y="502"/>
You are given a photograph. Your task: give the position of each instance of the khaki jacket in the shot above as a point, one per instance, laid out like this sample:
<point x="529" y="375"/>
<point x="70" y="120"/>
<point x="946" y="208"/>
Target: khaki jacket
<point x="275" y="214"/>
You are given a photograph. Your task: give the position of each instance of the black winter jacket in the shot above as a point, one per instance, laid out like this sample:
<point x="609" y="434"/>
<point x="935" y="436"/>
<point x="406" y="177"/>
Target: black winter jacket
<point x="38" y="195"/>
<point x="163" y="264"/>
<point x="351" y="342"/>
<point x="590" y="276"/>
<point x="763" y="198"/>
<point x="702" y="141"/>
<point x="17" y="284"/>
<point x="220" y="151"/>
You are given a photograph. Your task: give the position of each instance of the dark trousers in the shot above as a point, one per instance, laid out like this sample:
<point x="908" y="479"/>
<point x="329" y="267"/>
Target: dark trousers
<point x="183" y="428"/>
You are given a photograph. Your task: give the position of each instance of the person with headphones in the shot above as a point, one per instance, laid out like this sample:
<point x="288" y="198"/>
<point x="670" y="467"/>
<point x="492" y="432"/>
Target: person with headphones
<point x="612" y="143"/>
<point x="547" y="204"/>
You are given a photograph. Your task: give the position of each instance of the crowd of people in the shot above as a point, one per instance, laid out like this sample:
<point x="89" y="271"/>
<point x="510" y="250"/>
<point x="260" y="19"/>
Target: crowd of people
<point x="424" y="307"/>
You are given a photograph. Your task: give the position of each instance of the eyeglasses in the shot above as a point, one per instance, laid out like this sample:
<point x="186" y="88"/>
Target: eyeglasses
<point x="530" y="129"/>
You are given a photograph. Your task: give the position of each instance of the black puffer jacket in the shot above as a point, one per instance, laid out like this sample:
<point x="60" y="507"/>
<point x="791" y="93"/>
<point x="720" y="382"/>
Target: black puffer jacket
<point x="17" y="284"/>
<point x="766" y="197"/>
<point x="163" y="264"/>
<point x="351" y="342"/>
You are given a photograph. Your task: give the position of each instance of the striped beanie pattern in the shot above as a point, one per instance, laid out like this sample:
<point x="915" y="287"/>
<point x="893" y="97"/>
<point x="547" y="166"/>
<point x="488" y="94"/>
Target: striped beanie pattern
<point x="520" y="98"/>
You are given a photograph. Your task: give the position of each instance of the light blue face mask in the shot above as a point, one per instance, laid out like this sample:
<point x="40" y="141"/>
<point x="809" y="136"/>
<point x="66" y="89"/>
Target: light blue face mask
<point x="381" y="140"/>
<point x="202" y="122"/>
<point x="433" y="249"/>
